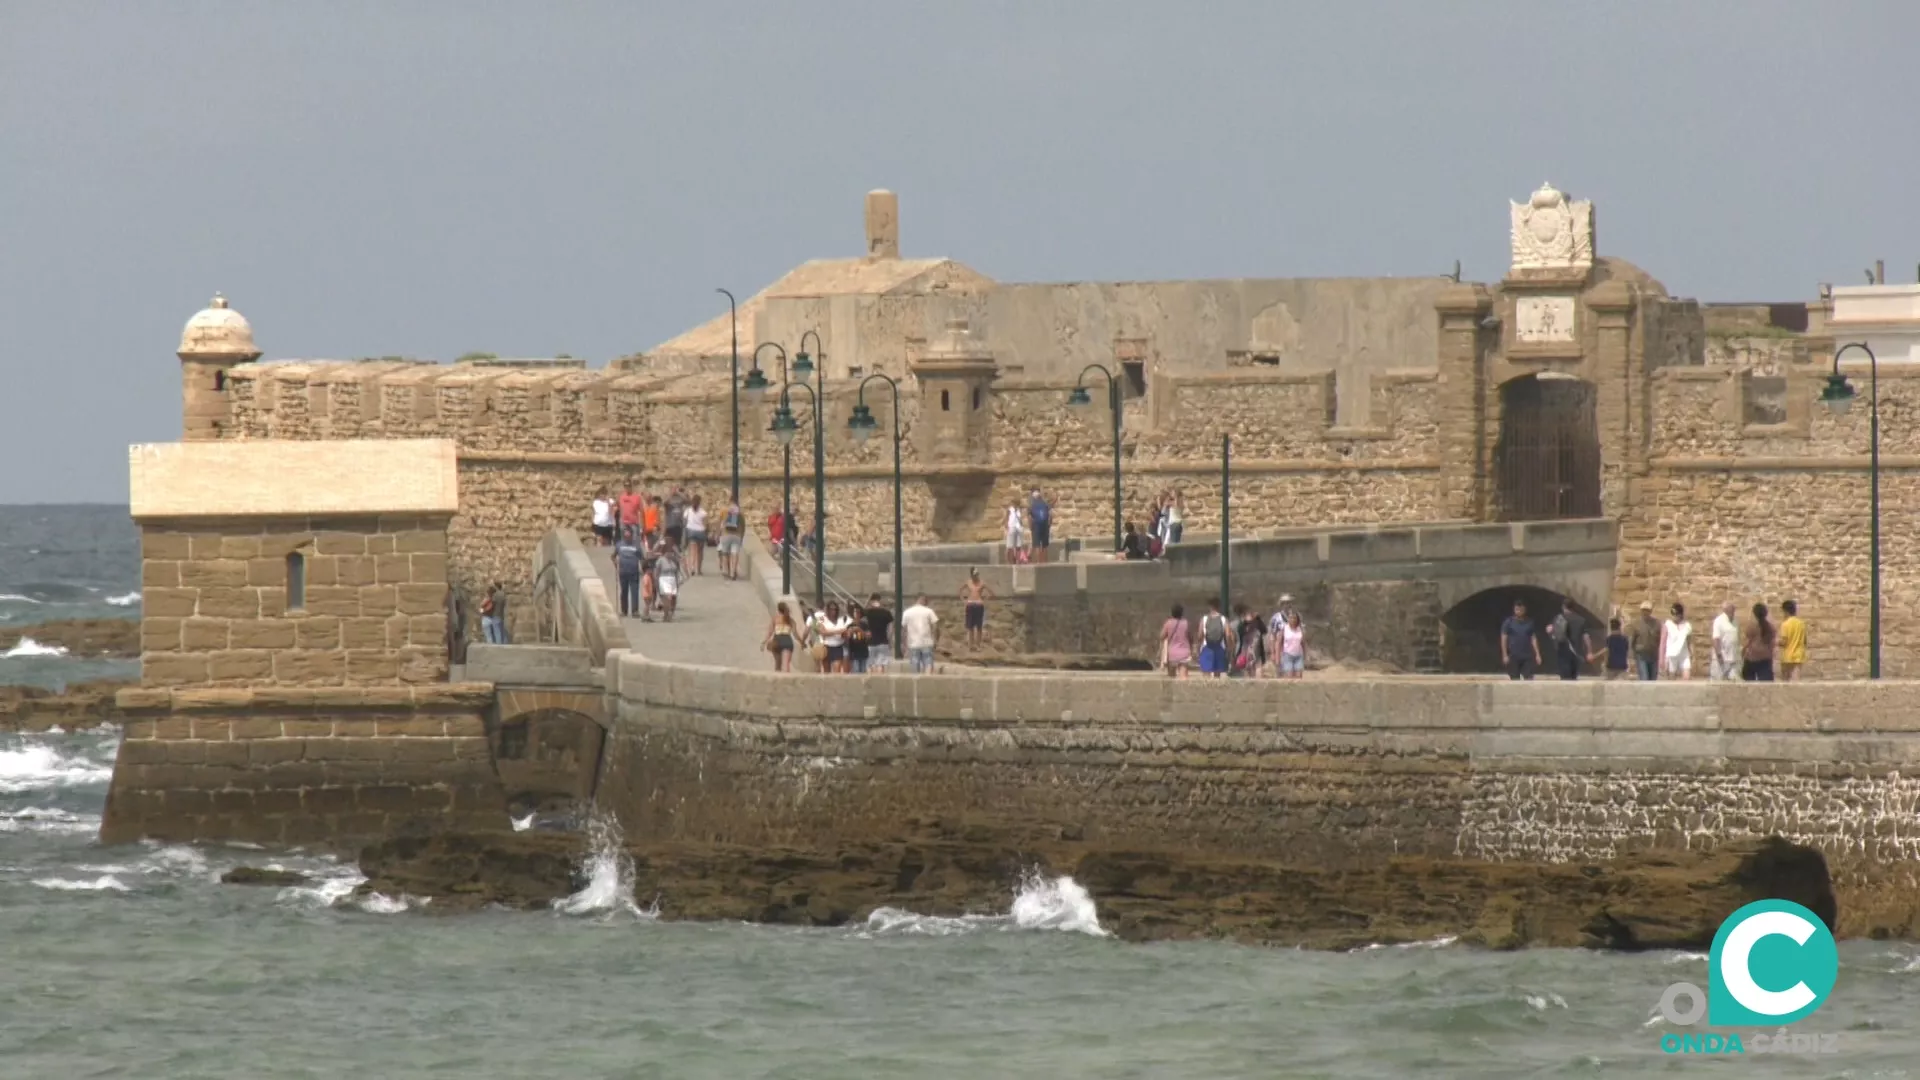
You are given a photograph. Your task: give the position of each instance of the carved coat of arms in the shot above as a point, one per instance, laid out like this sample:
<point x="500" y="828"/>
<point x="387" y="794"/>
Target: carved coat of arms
<point x="1552" y="232"/>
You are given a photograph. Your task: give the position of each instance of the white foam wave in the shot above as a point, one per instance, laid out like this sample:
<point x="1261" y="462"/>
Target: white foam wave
<point x="382" y="904"/>
<point x="38" y="766"/>
<point x="325" y="892"/>
<point x="18" y="599"/>
<point x="124" y="600"/>
<point x="609" y="869"/>
<point x="1540" y="1002"/>
<point x="26" y="646"/>
<point x="104" y="883"/>
<point x="48" y="819"/>
<point x="1687" y="958"/>
<point x="1040" y="903"/>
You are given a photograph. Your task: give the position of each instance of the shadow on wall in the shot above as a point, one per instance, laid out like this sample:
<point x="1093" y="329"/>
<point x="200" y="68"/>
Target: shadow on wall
<point x="1472" y="627"/>
<point x="547" y="759"/>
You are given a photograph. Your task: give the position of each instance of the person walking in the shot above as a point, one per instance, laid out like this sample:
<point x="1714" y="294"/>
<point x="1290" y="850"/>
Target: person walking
<point x="920" y="632"/>
<point x="879" y="635"/>
<point x="1619" y="646"/>
<point x="626" y="565"/>
<point x="1644" y="641"/>
<point x="696" y="522"/>
<point x="1040" y="520"/>
<point x="1216" y="641"/>
<point x="1756" y="647"/>
<point x="493" y="615"/>
<point x="650" y="519"/>
<point x="1016" y="532"/>
<point x="1725" y="661"/>
<point x="629" y="505"/>
<point x="732" y="526"/>
<point x="829" y="630"/>
<point x="667" y="572"/>
<point x="1293" y="647"/>
<point x="975" y="594"/>
<point x="1676" y="652"/>
<point x="1176" y="643"/>
<point x="1250" y="630"/>
<point x="674" y="517"/>
<point x="781" y="635"/>
<point x="1793" y="642"/>
<point x="1572" y="643"/>
<point x="603" y="517"/>
<point x="1519" y="644"/>
<point x="857" y="646"/>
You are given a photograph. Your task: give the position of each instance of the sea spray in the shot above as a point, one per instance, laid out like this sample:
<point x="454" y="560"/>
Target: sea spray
<point x="31" y="765"/>
<point x="26" y="647"/>
<point x="609" y="873"/>
<point x="1040" y="902"/>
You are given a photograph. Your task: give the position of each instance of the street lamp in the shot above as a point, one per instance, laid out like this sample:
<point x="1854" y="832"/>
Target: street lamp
<point x="755" y="387"/>
<point x="804" y="366"/>
<point x="1080" y="398"/>
<point x="1837" y="396"/>
<point x="733" y="312"/>
<point x="862" y="425"/>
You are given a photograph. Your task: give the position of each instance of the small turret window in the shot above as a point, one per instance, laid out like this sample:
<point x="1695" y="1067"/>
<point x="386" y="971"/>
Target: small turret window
<point x="296" y="581"/>
<point x="976" y="398"/>
<point x="219" y="381"/>
<point x="946" y="401"/>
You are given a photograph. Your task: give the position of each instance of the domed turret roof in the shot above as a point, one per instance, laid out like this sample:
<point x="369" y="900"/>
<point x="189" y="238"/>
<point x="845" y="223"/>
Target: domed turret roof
<point x="218" y="331"/>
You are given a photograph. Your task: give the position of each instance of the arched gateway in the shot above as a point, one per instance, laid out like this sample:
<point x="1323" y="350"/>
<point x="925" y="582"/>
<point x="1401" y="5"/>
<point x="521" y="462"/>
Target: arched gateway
<point x="1547" y="459"/>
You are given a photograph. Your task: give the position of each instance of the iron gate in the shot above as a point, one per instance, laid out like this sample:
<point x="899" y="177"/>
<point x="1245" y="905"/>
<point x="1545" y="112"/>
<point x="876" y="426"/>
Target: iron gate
<point x="1548" y="456"/>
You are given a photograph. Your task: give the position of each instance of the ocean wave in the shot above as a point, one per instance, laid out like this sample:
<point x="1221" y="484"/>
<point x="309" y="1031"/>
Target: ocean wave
<point x="18" y="599"/>
<point x="26" y="646"/>
<point x="48" y="819"/>
<point x="382" y="904"/>
<point x="1040" y="903"/>
<point x="104" y="883"/>
<point x="124" y="600"/>
<point x="31" y="768"/>
<point x="609" y="872"/>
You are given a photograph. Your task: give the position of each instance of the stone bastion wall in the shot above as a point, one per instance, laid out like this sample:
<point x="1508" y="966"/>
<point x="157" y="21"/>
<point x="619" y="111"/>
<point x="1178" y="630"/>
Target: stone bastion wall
<point x="1327" y="774"/>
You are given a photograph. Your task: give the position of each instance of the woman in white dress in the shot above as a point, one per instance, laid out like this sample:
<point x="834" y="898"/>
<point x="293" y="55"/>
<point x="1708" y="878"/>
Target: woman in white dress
<point x="1016" y="531"/>
<point x="1676" y="654"/>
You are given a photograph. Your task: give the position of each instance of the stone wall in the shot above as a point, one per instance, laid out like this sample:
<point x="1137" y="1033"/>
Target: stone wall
<point x="326" y="766"/>
<point x="215" y="593"/>
<point x="1323" y="773"/>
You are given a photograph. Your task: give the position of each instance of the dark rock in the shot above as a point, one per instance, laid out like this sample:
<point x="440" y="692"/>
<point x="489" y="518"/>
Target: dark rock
<point x="89" y="704"/>
<point x="254" y="875"/>
<point x="81" y="637"/>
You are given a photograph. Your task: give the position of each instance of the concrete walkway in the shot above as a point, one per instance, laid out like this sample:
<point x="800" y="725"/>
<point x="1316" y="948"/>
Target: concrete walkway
<point x="719" y="622"/>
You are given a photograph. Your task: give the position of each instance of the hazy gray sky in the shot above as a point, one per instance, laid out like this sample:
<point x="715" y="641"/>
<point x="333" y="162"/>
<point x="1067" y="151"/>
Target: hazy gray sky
<point x="430" y="178"/>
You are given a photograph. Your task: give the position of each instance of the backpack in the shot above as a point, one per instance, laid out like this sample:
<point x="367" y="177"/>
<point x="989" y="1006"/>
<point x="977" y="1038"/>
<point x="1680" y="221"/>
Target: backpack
<point x="1557" y="630"/>
<point x="1214" y="629"/>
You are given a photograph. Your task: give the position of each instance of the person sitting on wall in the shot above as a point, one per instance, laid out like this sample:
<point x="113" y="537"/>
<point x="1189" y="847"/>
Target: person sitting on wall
<point x="1133" y="545"/>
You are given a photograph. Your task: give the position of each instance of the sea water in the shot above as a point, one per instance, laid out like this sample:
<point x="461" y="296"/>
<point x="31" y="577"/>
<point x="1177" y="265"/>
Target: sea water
<point x="134" y="961"/>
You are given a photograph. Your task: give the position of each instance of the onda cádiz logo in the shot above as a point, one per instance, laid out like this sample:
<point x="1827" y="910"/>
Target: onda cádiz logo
<point x="1773" y="962"/>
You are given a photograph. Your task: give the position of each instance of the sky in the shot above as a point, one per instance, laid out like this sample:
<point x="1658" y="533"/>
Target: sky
<point x="442" y="176"/>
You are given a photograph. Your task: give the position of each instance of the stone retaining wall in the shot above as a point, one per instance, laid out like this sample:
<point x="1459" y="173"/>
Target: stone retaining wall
<point x="328" y="766"/>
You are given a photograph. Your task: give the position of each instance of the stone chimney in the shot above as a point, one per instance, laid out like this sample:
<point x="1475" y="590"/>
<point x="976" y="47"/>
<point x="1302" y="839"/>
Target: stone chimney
<point x="883" y="224"/>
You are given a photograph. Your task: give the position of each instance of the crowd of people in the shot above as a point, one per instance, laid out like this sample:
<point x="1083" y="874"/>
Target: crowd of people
<point x="658" y="541"/>
<point x="857" y="640"/>
<point x="1247" y="645"/>
<point x="1165" y="524"/>
<point x="1653" y="648"/>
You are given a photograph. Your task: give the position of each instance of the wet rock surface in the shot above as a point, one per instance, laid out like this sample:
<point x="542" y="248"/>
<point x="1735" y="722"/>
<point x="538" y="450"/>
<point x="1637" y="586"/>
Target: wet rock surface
<point x="117" y="638"/>
<point x="1654" y="901"/>
<point x="31" y="708"/>
<point x="254" y="875"/>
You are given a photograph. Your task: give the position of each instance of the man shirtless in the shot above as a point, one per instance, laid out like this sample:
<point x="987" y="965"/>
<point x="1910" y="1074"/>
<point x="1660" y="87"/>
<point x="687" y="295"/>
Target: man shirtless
<point x="975" y="595"/>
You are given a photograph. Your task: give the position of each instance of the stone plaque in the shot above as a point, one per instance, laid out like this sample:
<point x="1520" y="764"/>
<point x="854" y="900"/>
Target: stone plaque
<point x="1542" y="320"/>
<point x="1552" y="232"/>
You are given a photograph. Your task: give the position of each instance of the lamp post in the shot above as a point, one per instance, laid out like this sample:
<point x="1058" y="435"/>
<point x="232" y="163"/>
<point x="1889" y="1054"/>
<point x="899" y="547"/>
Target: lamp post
<point x="804" y="366"/>
<point x="862" y="425"/>
<point x="755" y="386"/>
<point x="1080" y="397"/>
<point x="1838" y="397"/>
<point x="1226" y="523"/>
<point x="733" y="312"/>
<point x="784" y="427"/>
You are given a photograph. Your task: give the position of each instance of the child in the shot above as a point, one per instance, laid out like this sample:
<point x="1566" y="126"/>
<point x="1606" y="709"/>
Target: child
<point x="1616" y="651"/>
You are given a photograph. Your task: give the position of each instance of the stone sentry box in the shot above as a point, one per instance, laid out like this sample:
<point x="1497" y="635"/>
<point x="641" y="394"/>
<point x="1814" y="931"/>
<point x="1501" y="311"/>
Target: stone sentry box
<point x="293" y="563"/>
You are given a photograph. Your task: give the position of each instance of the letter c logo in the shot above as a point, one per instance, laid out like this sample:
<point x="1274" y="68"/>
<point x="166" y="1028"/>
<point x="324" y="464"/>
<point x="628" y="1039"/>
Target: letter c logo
<point x="1773" y="962"/>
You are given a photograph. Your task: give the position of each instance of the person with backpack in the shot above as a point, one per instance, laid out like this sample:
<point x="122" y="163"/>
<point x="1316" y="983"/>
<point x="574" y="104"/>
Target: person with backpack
<point x="1216" y="641"/>
<point x="1571" y="644"/>
<point x="626" y="564"/>
<point x="732" y="525"/>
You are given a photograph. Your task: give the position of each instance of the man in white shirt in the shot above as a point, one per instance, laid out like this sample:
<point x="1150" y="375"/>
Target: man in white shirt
<point x="603" y="517"/>
<point x="920" y="630"/>
<point x="1726" y="645"/>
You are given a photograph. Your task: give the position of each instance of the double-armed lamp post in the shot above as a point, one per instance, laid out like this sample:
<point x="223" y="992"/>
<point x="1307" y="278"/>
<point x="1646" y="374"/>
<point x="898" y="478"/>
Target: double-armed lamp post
<point x="862" y="425"/>
<point x="784" y="427"/>
<point x="1080" y="398"/>
<point x="1838" y="396"/>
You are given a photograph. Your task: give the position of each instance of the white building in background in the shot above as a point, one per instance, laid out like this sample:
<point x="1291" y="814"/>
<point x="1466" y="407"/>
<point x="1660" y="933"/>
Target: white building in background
<point x="1885" y="317"/>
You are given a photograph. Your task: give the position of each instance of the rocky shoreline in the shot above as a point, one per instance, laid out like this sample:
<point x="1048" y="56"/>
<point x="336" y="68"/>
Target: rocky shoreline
<point x="81" y="705"/>
<point x="117" y="639"/>
<point x="1655" y="901"/>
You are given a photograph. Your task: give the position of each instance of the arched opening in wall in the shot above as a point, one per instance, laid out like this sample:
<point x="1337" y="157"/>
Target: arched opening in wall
<point x="547" y="760"/>
<point x="1547" y="458"/>
<point x="1470" y="630"/>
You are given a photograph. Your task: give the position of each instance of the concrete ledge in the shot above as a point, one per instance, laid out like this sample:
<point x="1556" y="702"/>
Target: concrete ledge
<point x="146" y="701"/>
<point x="532" y="665"/>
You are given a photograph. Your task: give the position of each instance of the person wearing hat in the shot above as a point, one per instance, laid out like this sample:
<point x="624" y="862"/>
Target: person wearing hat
<point x="1644" y="639"/>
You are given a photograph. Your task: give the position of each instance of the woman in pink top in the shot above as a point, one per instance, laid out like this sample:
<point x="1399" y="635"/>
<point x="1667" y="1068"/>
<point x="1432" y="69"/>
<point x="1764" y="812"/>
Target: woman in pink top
<point x="1176" y="643"/>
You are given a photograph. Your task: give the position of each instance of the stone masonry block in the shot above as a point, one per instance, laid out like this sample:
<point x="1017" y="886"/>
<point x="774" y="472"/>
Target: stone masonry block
<point x="317" y="632"/>
<point x="204" y="545"/>
<point x="393" y="569"/>
<point x="256" y="727"/>
<point x="367" y="666"/>
<point x="423" y="665"/>
<point x="422" y="599"/>
<point x="268" y="572"/>
<point x="363" y="633"/>
<point x="161" y="572"/>
<point x="333" y="600"/>
<point x="213" y="573"/>
<point x="340" y="543"/>
<point x="156" y="544"/>
<point x="248" y="665"/>
<point x="355" y="570"/>
<point x="379" y="544"/>
<point x="204" y="635"/>
<point x="173" y="669"/>
<point x="264" y="634"/>
<point x="239" y="547"/>
<point x="378" y="600"/>
<point x="169" y="603"/>
<point x="230" y="603"/>
<point x="323" y="570"/>
<point x="211" y="729"/>
<point x="309" y="667"/>
<point x="427" y="630"/>
<point x="159" y="635"/>
<point x="429" y="569"/>
<point x="396" y="631"/>
<point x="423" y="541"/>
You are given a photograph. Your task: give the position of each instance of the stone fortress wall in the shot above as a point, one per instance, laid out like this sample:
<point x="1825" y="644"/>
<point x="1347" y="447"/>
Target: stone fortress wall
<point x="1356" y="402"/>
